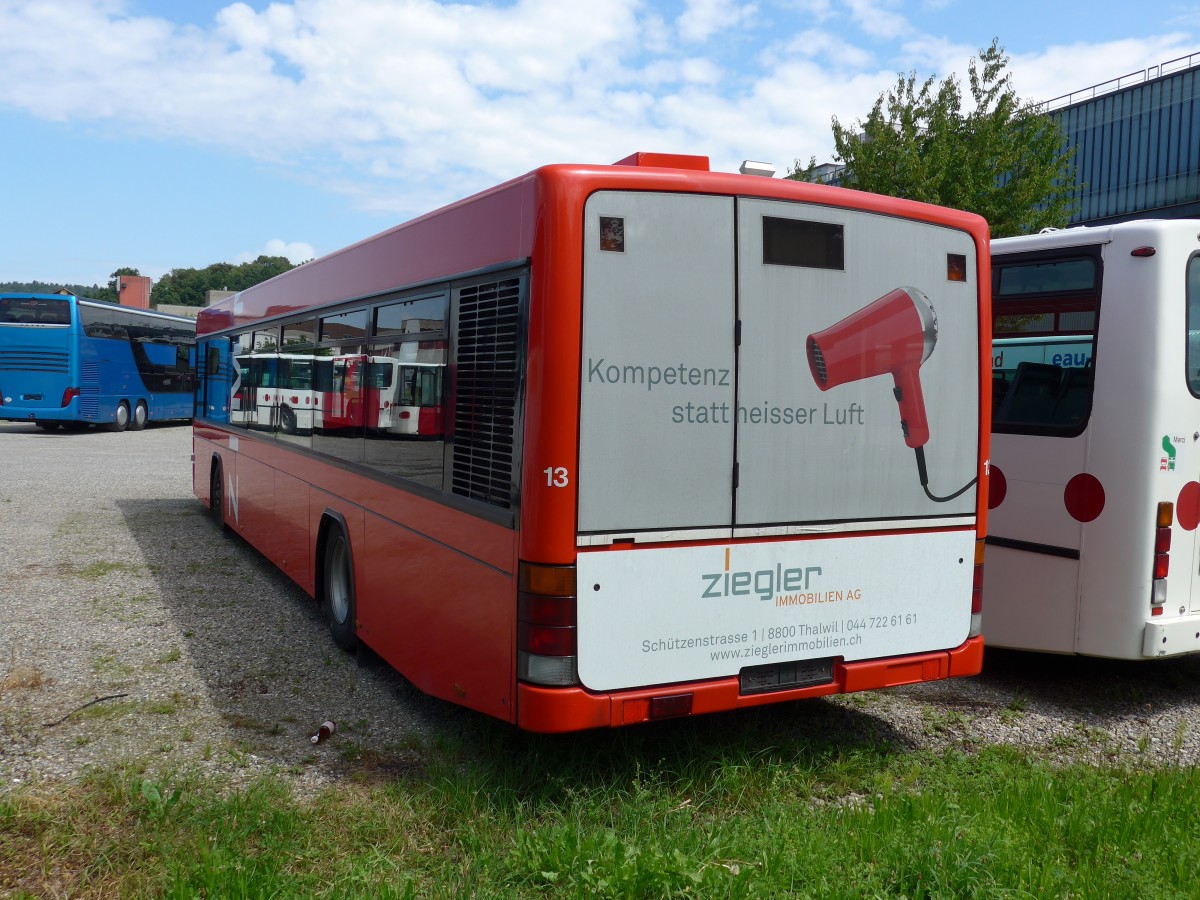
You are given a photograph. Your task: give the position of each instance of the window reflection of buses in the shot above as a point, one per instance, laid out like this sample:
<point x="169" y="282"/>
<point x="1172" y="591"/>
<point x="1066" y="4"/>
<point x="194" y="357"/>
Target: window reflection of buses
<point x="649" y="494"/>
<point x="275" y="391"/>
<point x="1095" y="476"/>
<point x="408" y="397"/>
<point x="299" y="392"/>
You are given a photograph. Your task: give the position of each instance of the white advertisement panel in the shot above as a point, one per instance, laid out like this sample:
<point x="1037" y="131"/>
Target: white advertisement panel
<point x="658" y="367"/>
<point x="859" y="353"/>
<point x="659" y="615"/>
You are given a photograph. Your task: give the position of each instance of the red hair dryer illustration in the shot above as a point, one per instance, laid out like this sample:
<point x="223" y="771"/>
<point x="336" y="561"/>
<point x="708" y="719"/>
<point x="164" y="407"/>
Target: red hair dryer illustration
<point x="894" y="334"/>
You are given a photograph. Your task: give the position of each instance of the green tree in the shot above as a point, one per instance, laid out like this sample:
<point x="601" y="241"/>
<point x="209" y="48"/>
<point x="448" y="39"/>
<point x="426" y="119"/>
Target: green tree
<point x="1004" y="159"/>
<point x="188" y="287"/>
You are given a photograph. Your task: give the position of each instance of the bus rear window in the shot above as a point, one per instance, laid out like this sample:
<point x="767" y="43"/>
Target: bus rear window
<point x="796" y="242"/>
<point x="1044" y="326"/>
<point x="1047" y="277"/>
<point x="34" y="311"/>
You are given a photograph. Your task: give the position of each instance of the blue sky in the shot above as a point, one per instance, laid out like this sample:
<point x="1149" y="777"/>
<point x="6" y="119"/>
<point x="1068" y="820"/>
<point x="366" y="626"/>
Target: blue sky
<point x="163" y="135"/>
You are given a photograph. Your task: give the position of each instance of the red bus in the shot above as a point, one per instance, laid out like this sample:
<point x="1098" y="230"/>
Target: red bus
<point x="675" y="472"/>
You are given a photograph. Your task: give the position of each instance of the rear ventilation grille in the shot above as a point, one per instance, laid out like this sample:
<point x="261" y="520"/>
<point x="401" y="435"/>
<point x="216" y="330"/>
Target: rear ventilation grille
<point x="33" y="359"/>
<point x="487" y="365"/>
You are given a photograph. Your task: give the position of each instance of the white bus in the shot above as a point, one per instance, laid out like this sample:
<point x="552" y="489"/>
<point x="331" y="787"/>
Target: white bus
<point x="1094" y="494"/>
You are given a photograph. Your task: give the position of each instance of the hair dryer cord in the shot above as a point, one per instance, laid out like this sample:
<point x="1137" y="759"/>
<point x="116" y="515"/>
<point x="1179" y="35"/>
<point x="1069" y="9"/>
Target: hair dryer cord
<point x="924" y="475"/>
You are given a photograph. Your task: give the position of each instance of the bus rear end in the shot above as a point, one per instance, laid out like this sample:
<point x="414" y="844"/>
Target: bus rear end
<point x="1095" y="489"/>
<point x="38" y="359"/>
<point x="777" y="392"/>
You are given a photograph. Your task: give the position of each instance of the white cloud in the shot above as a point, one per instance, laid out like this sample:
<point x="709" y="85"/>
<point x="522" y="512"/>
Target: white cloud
<point x="404" y="104"/>
<point x="296" y="252"/>
<point x="1068" y="68"/>
<point x="703" y="18"/>
<point x="878" y="19"/>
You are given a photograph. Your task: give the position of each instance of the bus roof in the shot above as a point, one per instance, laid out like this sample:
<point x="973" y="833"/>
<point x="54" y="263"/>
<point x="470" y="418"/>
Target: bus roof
<point x="505" y="225"/>
<point x="92" y="301"/>
<point x="1088" y="235"/>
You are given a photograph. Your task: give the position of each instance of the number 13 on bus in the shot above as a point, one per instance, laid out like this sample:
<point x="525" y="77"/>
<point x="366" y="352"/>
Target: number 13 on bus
<point x="691" y="442"/>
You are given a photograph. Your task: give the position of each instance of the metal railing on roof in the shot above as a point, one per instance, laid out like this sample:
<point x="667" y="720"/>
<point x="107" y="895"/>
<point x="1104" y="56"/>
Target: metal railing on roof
<point x="1120" y="83"/>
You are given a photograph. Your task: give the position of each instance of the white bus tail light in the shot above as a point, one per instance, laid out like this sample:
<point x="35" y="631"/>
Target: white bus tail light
<point x="546" y="625"/>
<point x="1162" y="557"/>
<point x="977" y="593"/>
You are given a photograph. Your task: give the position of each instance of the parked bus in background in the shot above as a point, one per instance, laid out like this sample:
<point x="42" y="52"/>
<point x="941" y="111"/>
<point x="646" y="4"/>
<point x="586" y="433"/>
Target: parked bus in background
<point x="710" y="441"/>
<point x="67" y="360"/>
<point x="1096" y="441"/>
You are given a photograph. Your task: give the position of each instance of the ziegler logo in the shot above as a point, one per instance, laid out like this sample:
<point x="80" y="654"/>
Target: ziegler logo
<point x="766" y="583"/>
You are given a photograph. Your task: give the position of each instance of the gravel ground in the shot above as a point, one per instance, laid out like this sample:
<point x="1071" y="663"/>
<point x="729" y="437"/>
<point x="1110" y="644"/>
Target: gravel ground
<point x="133" y="633"/>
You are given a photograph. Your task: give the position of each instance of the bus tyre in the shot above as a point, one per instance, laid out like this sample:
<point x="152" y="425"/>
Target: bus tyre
<point x="122" y="420"/>
<point x="216" y="497"/>
<point x="140" y="414"/>
<point x="287" y="420"/>
<point x="338" y="574"/>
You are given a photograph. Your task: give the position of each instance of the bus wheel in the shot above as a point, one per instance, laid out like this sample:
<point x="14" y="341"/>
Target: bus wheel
<point x="339" y="588"/>
<point x="216" y="497"/>
<point x="138" y="422"/>
<point x="287" y="420"/>
<point x="122" y="420"/>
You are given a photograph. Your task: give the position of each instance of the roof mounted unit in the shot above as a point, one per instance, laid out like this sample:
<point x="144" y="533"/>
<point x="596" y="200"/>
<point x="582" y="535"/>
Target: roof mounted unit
<point x="665" y="161"/>
<point x="750" y="167"/>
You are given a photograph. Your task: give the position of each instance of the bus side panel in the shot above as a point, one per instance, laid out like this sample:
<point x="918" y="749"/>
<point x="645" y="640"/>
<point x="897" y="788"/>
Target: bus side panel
<point x="254" y="493"/>
<point x="292" y="538"/>
<point x="1031" y="600"/>
<point x="442" y="619"/>
<point x="1141" y="400"/>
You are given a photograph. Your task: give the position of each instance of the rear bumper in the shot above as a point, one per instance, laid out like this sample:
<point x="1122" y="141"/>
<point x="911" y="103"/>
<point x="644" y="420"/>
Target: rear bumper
<point x="1172" y="637"/>
<point x="574" y="709"/>
<point x="39" y="414"/>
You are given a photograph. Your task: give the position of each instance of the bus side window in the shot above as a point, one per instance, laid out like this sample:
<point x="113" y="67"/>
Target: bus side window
<point x="1032" y="396"/>
<point x="1071" y="405"/>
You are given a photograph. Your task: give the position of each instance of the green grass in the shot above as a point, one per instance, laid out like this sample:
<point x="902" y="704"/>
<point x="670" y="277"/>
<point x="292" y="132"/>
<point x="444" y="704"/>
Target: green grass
<point x="724" y="807"/>
<point x="100" y="569"/>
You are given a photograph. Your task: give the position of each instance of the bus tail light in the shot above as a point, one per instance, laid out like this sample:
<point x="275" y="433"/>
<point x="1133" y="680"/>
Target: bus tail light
<point x="670" y="706"/>
<point x="977" y="593"/>
<point x="1164" y="516"/>
<point x="546" y="625"/>
<point x="68" y="395"/>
